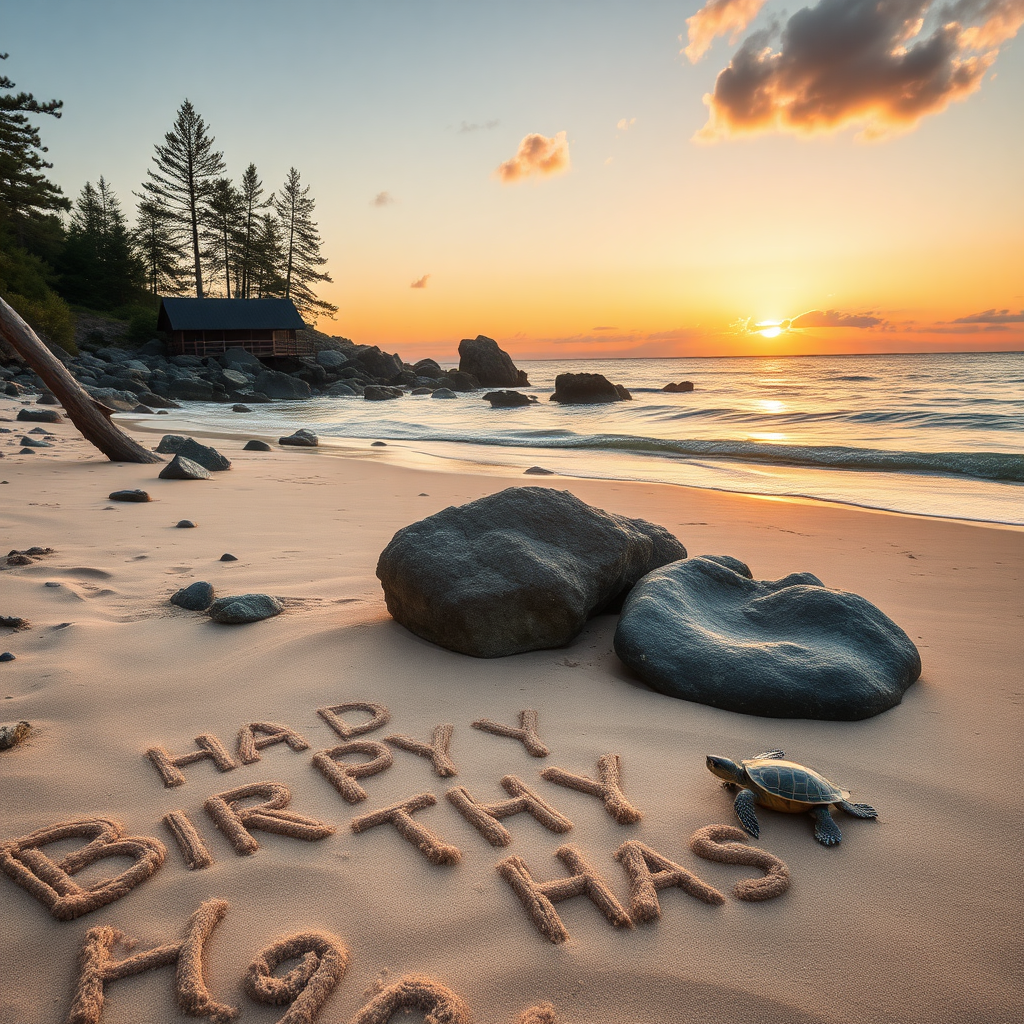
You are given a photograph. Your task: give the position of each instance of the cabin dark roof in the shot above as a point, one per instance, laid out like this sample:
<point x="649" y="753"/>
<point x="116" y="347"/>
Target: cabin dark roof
<point x="228" y="315"/>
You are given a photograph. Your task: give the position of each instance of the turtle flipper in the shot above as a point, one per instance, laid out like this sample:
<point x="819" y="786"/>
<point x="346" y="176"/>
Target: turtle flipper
<point x="826" y="831"/>
<point x="858" y="810"/>
<point x="744" y="807"/>
<point x="772" y="755"/>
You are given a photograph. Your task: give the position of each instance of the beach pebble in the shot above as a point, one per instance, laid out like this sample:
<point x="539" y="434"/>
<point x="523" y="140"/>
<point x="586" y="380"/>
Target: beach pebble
<point x="185" y="524"/>
<point x="228" y="557"/>
<point x="538" y="471"/>
<point x="189" y="448"/>
<point x="39" y="415"/>
<point x="257" y="446"/>
<point x="181" y="468"/>
<point x="244" y="608"/>
<point x="444" y="393"/>
<point x="300" y="439"/>
<point x="196" y="598"/>
<point x="12" y="733"/>
<point x="7" y="656"/>
<point x="51" y="583"/>
<point x="704" y="630"/>
<point x="520" y="570"/>
<point x="378" y="444"/>
<point x="508" y="399"/>
<point x="129" y="495"/>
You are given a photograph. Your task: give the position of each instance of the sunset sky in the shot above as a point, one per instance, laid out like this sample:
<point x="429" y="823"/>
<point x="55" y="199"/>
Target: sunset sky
<point x="591" y="179"/>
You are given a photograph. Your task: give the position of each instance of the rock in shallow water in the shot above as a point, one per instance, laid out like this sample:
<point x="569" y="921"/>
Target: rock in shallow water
<point x="301" y="439"/>
<point x="520" y="570"/>
<point x="703" y="630"/>
<point x="195" y="598"/>
<point x="244" y="608"/>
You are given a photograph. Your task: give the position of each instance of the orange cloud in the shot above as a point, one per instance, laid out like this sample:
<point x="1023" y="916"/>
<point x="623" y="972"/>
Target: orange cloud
<point x="867" y="63"/>
<point x="834" y="318"/>
<point x="537" y="154"/>
<point x="382" y="199"/>
<point x="420" y="282"/>
<point x="718" y="18"/>
<point x="992" y="316"/>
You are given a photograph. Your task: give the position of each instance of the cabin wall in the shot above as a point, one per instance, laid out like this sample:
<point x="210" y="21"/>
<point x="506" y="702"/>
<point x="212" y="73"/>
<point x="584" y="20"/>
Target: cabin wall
<point x="260" y="343"/>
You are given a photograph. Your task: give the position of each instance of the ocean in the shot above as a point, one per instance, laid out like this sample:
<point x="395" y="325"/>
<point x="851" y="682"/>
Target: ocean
<point x="926" y="434"/>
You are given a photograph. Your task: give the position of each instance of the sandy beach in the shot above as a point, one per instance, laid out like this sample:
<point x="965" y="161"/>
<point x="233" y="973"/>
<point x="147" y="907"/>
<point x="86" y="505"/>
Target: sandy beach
<point x="913" y="918"/>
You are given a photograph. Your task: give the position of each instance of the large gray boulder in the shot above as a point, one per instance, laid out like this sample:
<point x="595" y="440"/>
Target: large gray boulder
<point x="239" y="358"/>
<point x="491" y="365"/>
<point x="280" y="385"/>
<point x="705" y="631"/>
<point x="378" y="364"/>
<point x="189" y="389"/>
<point x="182" y="468"/>
<point x="331" y="360"/>
<point x="587" y="389"/>
<point x="520" y="570"/>
<point x="207" y="457"/>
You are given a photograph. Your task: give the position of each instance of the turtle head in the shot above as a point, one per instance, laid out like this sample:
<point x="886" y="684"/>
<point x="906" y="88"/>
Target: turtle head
<point x="725" y="769"/>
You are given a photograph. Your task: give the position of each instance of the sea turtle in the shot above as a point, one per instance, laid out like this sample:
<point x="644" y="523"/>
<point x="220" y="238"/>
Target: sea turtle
<point x="782" y="785"/>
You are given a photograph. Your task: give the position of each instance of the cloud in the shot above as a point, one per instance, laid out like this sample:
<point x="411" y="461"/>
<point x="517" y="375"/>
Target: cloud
<point x="604" y="328"/>
<point x="833" y="318"/>
<point x="420" y="282"/>
<point x="468" y="126"/>
<point x="865" y="63"/>
<point x="382" y="199"/>
<point x="718" y="18"/>
<point x="991" y="316"/>
<point x="537" y="154"/>
<point x="625" y="124"/>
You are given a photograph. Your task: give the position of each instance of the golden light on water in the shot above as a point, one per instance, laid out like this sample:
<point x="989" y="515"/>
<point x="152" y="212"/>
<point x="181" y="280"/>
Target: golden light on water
<point x="771" y="405"/>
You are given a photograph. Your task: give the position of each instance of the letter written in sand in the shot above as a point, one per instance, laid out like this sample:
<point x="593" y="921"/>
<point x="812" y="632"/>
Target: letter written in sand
<point x="379" y="717"/>
<point x="436" y="751"/>
<point x="526" y="733"/>
<point x="342" y="775"/>
<point x="649" y="871"/>
<point x="269" y="816"/>
<point x="257" y="736"/>
<point x="170" y="766"/>
<point x="608" y="788"/>
<point x="400" y="815"/>
<point x="415" y="992"/>
<point x="50" y="881"/>
<point x="190" y="841"/>
<point x="486" y="818"/>
<point x="306" y="987"/>
<point x="539" y="898"/>
<point x="724" y="844"/>
<point x="98" y="967"/>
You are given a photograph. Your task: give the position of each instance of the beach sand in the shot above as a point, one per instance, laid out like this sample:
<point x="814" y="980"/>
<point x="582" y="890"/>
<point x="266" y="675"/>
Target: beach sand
<point x="913" y="918"/>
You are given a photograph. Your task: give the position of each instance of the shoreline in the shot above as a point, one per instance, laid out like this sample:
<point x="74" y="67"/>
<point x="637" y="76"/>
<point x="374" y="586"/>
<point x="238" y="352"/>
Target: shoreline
<point x="922" y="901"/>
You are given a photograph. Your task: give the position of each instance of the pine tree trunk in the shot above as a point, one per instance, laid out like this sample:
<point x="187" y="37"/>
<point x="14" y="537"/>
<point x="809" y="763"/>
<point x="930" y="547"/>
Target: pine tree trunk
<point x="91" y="418"/>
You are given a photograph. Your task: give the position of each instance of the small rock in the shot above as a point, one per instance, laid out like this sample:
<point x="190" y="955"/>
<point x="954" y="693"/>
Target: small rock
<point x="51" y="583"/>
<point x="6" y="656"/>
<point x="36" y="551"/>
<point x="683" y="385"/>
<point x="18" y="559"/>
<point x="538" y="471"/>
<point x="39" y="415"/>
<point x="244" y="608"/>
<point x="135" y="495"/>
<point x="226" y="557"/>
<point x="41" y="430"/>
<point x="257" y="446"/>
<point x="378" y="444"/>
<point x="300" y="439"/>
<point x="181" y="468"/>
<point x="195" y="598"/>
<point x="508" y="399"/>
<point x="28" y="451"/>
<point x="381" y="393"/>
<point x="33" y="442"/>
<point x="444" y="393"/>
<point x="240" y="408"/>
<point x="47" y="399"/>
<point x="13" y="622"/>
<point x="11" y="733"/>
<point x="143" y="410"/>
<point x="185" y="524"/>
<point x="162" y="412"/>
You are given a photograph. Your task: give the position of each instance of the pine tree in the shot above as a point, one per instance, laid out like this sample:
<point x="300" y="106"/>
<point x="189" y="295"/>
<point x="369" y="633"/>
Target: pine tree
<point x="249" y="230"/>
<point x="266" y="281"/>
<point x="187" y="167"/>
<point x="159" y="248"/>
<point x="221" y="231"/>
<point x="99" y="266"/>
<point x="301" y="240"/>
<point x="28" y="199"/>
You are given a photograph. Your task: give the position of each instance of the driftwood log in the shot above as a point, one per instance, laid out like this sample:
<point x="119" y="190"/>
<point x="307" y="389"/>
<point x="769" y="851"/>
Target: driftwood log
<point x="91" y="417"/>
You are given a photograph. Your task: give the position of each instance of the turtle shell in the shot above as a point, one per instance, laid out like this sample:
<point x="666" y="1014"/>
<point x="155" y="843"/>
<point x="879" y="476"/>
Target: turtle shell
<point x="792" y="781"/>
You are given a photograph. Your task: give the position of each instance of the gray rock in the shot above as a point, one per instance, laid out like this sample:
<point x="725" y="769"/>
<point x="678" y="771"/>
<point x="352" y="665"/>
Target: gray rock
<point x="378" y="444"/>
<point x="381" y="393"/>
<point x="587" y="389"/>
<point x="126" y="495"/>
<point x="520" y="570"/>
<point x="240" y="408"/>
<point x="538" y="471"/>
<point x="185" y="524"/>
<point x="182" y="468"/>
<point x="703" y="630"/>
<point x="7" y="656"/>
<point x="300" y="439"/>
<point x="340" y="390"/>
<point x="234" y="378"/>
<point x="331" y="360"/>
<point x="195" y="598"/>
<point x="27" y="451"/>
<point x="280" y="385"/>
<point x="143" y="410"/>
<point x="33" y="442"/>
<point x="40" y="431"/>
<point x="456" y="380"/>
<point x="189" y="389"/>
<point x="39" y="416"/>
<point x="13" y="622"/>
<point x="244" y="608"/>
<point x="257" y="446"/>
<point x="12" y="733"/>
<point x="228" y="557"/>
<point x="428" y="368"/>
<point x="444" y="393"/>
<point x="508" y="399"/>
<point x="207" y="457"/>
<point x="683" y="385"/>
<point x="155" y="401"/>
<point x="241" y="359"/>
<point x="47" y="399"/>
<point x="422" y="391"/>
<point x="492" y="366"/>
<point x="376" y="363"/>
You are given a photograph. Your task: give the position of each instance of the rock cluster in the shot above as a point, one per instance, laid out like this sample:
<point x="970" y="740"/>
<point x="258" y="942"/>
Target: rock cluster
<point x="520" y="570"/>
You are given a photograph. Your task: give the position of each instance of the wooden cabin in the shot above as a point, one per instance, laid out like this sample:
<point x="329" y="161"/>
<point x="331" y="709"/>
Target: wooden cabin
<point x="205" y="327"/>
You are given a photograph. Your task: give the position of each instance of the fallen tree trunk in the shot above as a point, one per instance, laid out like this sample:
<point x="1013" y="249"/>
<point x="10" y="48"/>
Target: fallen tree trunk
<point x="91" y="418"/>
